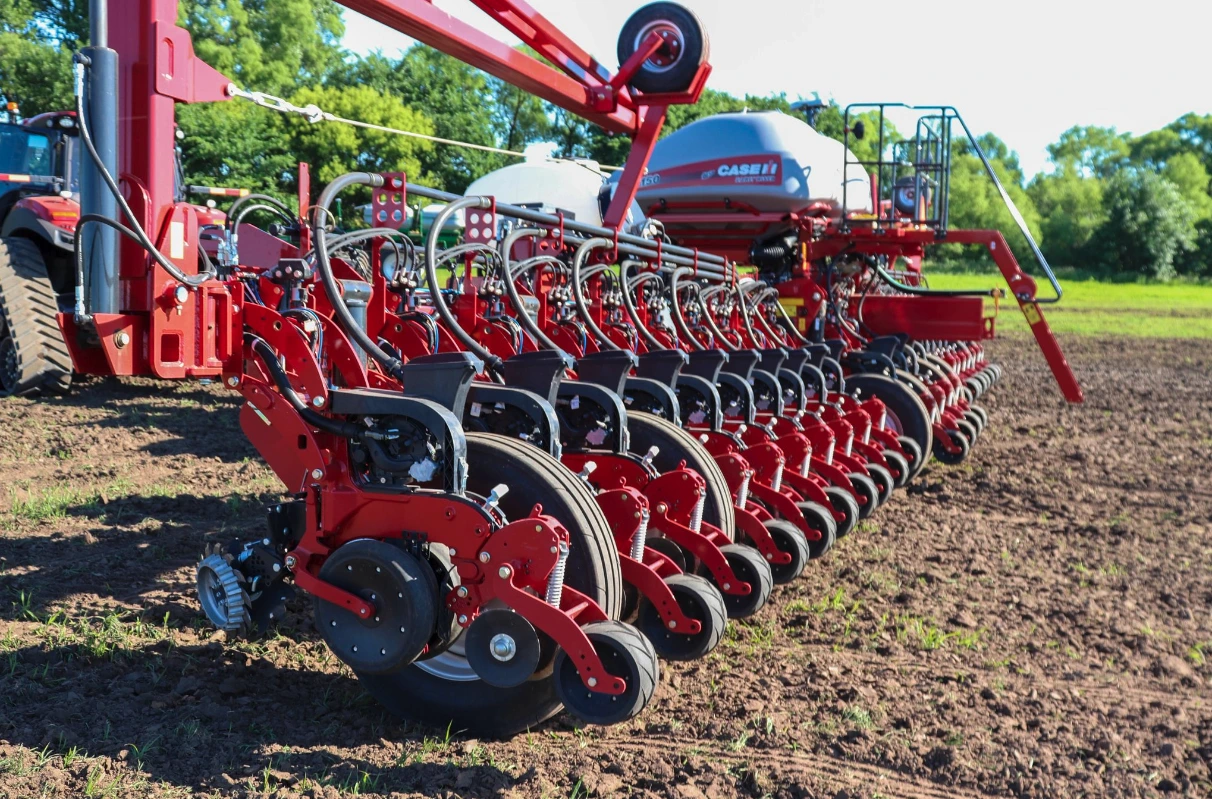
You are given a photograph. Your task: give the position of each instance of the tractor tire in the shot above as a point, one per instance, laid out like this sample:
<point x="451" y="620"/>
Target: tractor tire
<point x="659" y="74"/>
<point x="907" y="414"/>
<point x="676" y="445"/>
<point x="33" y="356"/>
<point x="444" y="690"/>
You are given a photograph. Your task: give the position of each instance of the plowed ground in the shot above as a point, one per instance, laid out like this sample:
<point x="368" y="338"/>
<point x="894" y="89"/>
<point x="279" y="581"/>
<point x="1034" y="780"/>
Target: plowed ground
<point x="1034" y="622"/>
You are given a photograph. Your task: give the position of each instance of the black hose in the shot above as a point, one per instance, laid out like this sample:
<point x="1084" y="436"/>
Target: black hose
<point x="265" y="200"/>
<point x="269" y="360"/>
<point x="192" y="281"/>
<point x="345" y="320"/>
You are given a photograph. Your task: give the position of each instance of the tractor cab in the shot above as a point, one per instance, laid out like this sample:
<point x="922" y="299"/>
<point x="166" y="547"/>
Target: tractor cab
<point x="39" y="157"/>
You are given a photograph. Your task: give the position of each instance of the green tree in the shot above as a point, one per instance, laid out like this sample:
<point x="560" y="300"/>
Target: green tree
<point x="37" y="40"/>
<point x="1149" y="226"/>
<point x="1091" y="150"/>
<point x="1071" y="210"/>
<point x="975" y="202"/>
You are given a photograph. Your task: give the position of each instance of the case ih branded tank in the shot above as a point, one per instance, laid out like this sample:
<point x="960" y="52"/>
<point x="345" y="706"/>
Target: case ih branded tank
<point x="767" y="160"/>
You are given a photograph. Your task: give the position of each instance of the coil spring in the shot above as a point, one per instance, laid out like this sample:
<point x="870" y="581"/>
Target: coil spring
<point x="640" y="538"/>
<point x="742" y="495"/>
<point x="696" y="516"/>
<point x="777" y="483"/>
<point x="555" y="583"/>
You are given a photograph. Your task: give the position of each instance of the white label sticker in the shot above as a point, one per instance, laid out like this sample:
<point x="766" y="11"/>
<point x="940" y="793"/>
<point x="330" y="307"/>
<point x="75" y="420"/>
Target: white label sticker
<point x="575" y="402"/>
<point x="475" y="409"/>
<point x="176" y="240"/>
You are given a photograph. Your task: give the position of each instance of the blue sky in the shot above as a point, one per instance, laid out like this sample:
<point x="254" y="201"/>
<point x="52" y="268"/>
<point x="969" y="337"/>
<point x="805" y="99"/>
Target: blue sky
<point x="1026" y="70"/>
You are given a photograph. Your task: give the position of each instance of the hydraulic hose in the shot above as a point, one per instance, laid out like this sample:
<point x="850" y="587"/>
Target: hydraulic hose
<point x="345" y="320"/>
<point x="679" y="321"/>
<point x="80" y="314"/>
<point x="528" y="324"/>
<point x="269" y="359"/>
<point x="578" y="260"/>
<point x="263" y="200"/>
<point x="192" y="281"/>
<point x="701" y="297"/>
<point x="493" y="362"/>
<point x="629" y="303"/>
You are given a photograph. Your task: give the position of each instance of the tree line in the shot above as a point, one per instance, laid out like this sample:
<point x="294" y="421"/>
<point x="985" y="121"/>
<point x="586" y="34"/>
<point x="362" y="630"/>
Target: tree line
<point x="1112" y="204"/>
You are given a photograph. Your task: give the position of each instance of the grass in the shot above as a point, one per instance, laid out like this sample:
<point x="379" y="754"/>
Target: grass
<point x="1097" y="308"/>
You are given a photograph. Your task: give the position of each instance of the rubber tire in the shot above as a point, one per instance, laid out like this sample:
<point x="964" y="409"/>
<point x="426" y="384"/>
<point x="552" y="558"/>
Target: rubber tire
<point x="677" y="445"/>
<point x="820" y="519"/>
<point x="698" y="599"/>
<point x="29" y="333"/>
<point x="917" y="458"/>
<point x="751" y="567"/>
<point x="593" y="568"/>
<point x="842" y="500"/>
<point x="867" y="487"/>
<point x="696" y="47"/>
<point x="788" y="538"/>
<point x="943" y="456"/>
<point x="902" y="401"/>
<point x="883" y="481"/>
<point x="899" y="462"/>
<point x="642" y="672"/>
<point x="969" y="430"/>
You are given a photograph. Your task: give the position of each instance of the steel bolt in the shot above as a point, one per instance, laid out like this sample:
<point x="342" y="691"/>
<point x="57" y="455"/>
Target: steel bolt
<point x="290" y="562"/>
<point x="362" y="612"/>
<point x="462" y="619"/>
<point x="233" y="381"/>
<point x="462" y="590"/>
<point x="592" y="682"/>
<point x="502" y="647"/>
<point x="661" y="508"/>
<point x="277" y="567"/>
<point x="121" y="339"/>
<point x="673" y="625"/>
<point x="316" y="474"/>
<point x="485" y="557"/>
<point x="727" y="586"/>
<point x="317" y="402"/>
<point x="504" y="572"/>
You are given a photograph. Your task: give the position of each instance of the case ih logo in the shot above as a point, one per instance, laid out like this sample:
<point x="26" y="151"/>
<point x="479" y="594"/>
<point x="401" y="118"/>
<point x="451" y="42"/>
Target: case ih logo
<point x="762" y="168"/>
<point x="768" y="168"/>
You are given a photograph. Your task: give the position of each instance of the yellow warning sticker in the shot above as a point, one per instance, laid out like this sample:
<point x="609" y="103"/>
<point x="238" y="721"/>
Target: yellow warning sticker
<point x="1031" y="311"/>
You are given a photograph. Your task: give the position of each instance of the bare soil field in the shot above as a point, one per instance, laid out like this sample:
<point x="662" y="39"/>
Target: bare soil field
<point x="1035" y="622"/>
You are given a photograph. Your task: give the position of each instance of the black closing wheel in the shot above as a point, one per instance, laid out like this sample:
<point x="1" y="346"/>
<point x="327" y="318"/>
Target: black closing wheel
<point x="899" y="467"/>
<point x="866" y="489"/>
<point x="968" y="429"/>
<point x="883" y="481"/>
<point x="699" y="600"/>
<point x="624" y="653"/>
<point x="671" y="68"/>
<point x="404" y="593"/>
<point x="914" y="453"/>
<point x="788" y="538"/>
<point x="820" y="519"/>
<point x="675" y="445"/>
<point x="671" y="550"/>
<point x="502" y="647"/>
<point x="33" y="356"/>
<point x="445" y="690"/>
<point x="906" y="414"/>
<point x="844" y="503"/>
<point x="751" y="568"/>
<point x="952" y="458"/>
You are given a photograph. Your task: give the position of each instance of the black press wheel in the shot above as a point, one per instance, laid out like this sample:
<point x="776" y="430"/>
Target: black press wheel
<point x="750" y="567"/>
<point x="868" y="490"/>
<point x="672" y="68"/>
<point x="672" y="550"/>
<point x="33" y="357"/>
<point x="884" y="482"/>
<point x="914" y="454"/>
<point x="820" y="519"/>
<point x="899" y="467"/>
<point x="969" y="430"/>
<point x="624" y="653"/>
<point x="699" y="600"/>
<point x="952" y="458"/>
<point x="844" y="503"/>
<point x="445" y="690"/>
<point x="788" y="538"/>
